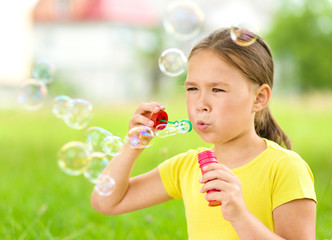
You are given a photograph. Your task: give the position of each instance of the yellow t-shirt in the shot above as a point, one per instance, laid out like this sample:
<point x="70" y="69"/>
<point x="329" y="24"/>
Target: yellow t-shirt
<point x="274" y="177"/>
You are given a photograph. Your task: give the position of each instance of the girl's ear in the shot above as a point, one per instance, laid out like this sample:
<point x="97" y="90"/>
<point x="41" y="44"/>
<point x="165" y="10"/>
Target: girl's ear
<point x="263" y="94"/>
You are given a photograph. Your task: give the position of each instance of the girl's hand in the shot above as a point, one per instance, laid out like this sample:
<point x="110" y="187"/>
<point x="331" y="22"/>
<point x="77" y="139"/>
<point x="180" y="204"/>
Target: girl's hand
<point x="143" y="114"/>
<point x="218" y="176"/>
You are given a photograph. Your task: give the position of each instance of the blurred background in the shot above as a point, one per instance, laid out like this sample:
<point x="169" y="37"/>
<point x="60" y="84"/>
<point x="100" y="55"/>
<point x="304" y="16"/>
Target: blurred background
<point x="107" y="51"/>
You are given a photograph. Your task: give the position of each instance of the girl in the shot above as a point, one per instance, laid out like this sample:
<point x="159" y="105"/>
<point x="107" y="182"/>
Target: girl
<point x="266" y="191"/>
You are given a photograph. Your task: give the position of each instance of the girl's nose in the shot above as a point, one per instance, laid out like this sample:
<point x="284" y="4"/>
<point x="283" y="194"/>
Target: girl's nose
<point x="203" y="104"/>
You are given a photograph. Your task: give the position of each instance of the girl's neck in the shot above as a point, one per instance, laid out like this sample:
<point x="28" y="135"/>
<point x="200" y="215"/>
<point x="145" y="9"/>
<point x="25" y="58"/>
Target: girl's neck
<point x="239" y="151"/>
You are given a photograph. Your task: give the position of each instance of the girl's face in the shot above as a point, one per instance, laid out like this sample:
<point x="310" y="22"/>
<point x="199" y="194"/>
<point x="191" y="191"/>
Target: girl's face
<point x="219" y="98"/>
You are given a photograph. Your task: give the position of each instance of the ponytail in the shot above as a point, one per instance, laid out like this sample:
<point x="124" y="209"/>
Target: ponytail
<point x="267" y="127"/>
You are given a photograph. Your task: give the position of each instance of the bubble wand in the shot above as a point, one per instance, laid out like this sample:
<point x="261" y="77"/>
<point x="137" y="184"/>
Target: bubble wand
<point x="161" y="118"/>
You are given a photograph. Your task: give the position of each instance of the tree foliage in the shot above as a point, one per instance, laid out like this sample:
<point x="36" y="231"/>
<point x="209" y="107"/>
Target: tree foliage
<point x="301" y="41"/>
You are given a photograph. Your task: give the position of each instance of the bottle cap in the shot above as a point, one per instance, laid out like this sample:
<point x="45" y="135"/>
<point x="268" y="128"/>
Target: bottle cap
<point x="156" y="117"/>
<point x="205" y="155"/>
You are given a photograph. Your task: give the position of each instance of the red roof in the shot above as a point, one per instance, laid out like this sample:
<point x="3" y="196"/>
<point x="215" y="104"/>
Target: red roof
<point x="132" y="12"/>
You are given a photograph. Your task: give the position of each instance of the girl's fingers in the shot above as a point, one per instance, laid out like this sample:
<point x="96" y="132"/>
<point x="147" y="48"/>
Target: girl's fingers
<point x="152" y="107"/>
<point x="212" y="196"/>
<point x="215" y="184"/>
<point x="218" y="173"/>
<point x="138" y="119"/>
<point x="143" y="114"/>
<point x="214" y="166"/>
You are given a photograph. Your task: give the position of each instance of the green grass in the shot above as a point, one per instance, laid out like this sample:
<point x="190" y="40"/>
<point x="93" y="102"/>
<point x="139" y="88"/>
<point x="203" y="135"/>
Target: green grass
<point x="39" y="201"/>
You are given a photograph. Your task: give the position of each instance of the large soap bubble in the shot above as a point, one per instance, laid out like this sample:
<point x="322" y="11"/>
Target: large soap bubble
<point x="73" y="158"/>
<point x="183" y="20"/>
<point x="173" y="62"/>
<point x="79" y="113"/>
<point x="98" y="162"/>
<point x="95" y="137"/>
<point x="140" y="137"/>
<point x="112" y="145"/>
<point x="32" y="94"/>
<point x="60" y="106"/>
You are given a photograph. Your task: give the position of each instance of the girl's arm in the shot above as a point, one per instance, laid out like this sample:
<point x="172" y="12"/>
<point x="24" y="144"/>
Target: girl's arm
<point x="292" y="220"/>
<point x="131" y="193"/>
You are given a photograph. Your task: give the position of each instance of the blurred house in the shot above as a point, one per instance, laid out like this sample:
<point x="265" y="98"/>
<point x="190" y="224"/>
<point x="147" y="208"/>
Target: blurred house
<point x="103" y="50"/>
<point x="98" y="46"/>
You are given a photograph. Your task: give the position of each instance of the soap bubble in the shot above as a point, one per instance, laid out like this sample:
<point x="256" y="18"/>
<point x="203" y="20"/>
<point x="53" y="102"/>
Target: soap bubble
<point x="183" y="20"/>
<point x="32" y="94"/>
<point x="112" y="145"/>
<point x="166" y="130"/>
<point x="79" y="113"/>
<point x="98" y="162"/>
<point x="242" y="36"/>
<point x="44" y="71"/>
<point x="73" y="158"/>
<point x="105" y="185"/>
<point x="59" y="106"/>
<point x="140" y="137"/>
<point x="173" y="62"/>
<point x="95" y="137"/>
<point x="184" y="126"/>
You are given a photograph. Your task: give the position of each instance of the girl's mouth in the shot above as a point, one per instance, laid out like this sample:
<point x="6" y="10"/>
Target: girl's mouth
<point x="202" y="125"/>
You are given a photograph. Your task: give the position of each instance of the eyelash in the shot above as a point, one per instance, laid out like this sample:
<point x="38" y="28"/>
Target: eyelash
<point x="213" y="89"/>
<point x="218" y="90"/>
<point x="191" y="89"/>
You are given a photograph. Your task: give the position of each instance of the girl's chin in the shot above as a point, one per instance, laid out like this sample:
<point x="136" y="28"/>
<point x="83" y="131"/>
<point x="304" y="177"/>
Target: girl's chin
<point x="208" y="139"/>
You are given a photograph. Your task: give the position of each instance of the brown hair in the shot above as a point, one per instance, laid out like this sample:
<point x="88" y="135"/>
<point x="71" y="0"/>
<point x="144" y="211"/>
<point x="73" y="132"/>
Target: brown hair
<point x="254" y="62"/>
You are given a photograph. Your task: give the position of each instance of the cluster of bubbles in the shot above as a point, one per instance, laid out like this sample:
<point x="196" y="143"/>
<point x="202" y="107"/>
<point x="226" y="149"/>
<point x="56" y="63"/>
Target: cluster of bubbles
<point x="75" y="112"/>
<point x="32" y="92"/>
<point x="91" y="157"/>
<point x="140" y="137"/>
<point x="184" y="20"/>
<point x="75" y="157"/>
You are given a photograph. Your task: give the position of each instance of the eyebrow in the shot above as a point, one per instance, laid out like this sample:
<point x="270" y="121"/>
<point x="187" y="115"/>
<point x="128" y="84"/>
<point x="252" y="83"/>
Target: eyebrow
<point x="212" y="84"/>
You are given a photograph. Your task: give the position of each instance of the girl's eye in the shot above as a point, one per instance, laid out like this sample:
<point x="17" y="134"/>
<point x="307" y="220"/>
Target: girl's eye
<point x="191" y="89"/>
<point x="218" y="90"/>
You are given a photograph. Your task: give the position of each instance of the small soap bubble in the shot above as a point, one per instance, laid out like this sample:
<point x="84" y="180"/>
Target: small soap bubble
<point x="95" y="137"/>
<point x="112" y="145"/>
<point x="44" y="71"/>
<point x="32" y="94"/>
<point x="184" y="126"/>
<point x="105" y="185"/>
<point x="59" y="106"/>
<point x="140" y="137"/>
<point x="79" y="113"/>
<point x="242" y="36"/>
<point x="173" y="62"/>
<point x="183" y="20"/>
<point x="166" y="130"/>
<point x="73" y="158"/>
<point x="98" y="162"/>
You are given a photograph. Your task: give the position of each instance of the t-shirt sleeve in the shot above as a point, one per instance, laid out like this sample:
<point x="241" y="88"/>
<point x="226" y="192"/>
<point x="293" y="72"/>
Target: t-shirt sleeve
<point x="169" y="174"/>
<point x="293" y="180"/>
